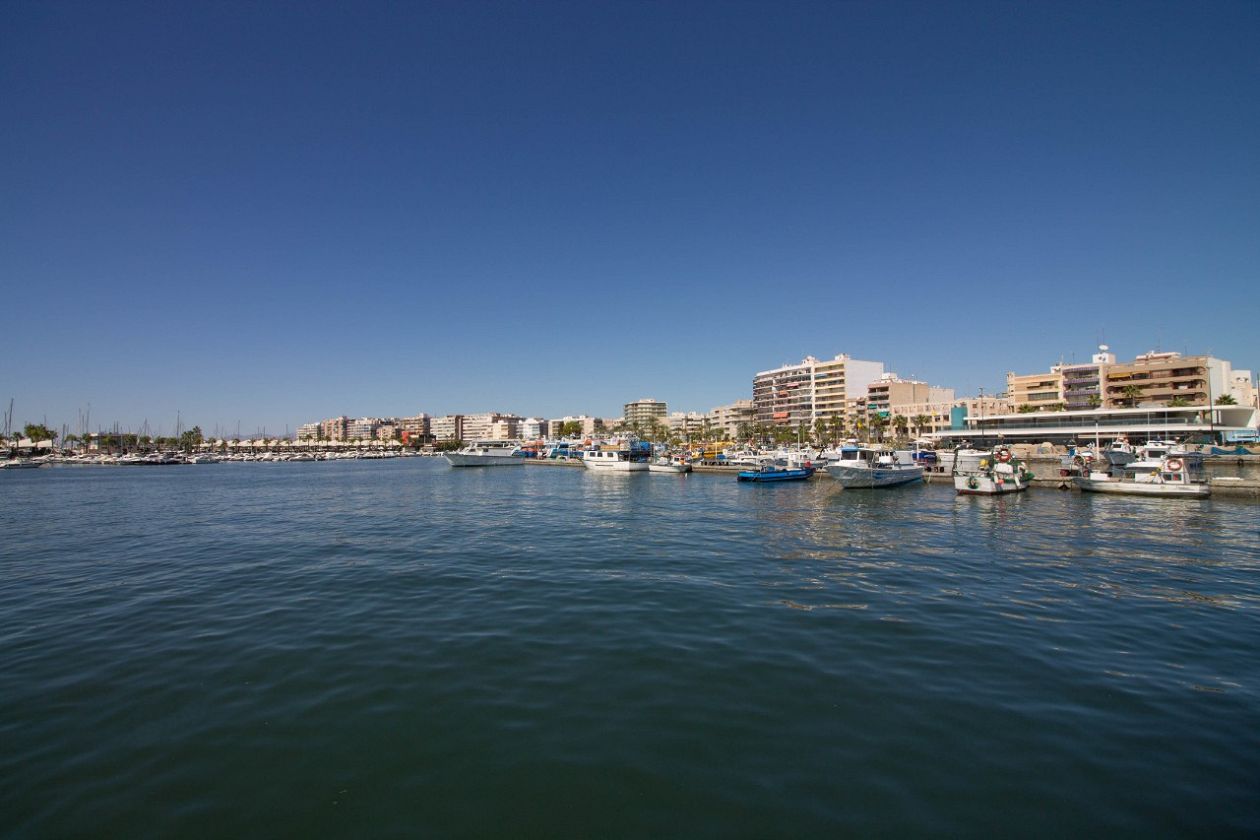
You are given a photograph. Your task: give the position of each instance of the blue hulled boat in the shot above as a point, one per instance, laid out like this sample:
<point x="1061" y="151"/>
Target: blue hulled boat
<point x="772" y="472"/>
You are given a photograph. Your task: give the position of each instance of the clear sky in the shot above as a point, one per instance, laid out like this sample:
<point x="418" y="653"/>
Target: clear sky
<point x="276" y="212"/>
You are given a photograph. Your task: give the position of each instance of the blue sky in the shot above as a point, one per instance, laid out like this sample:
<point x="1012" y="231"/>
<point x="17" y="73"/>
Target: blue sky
<point x="271" y="213"/>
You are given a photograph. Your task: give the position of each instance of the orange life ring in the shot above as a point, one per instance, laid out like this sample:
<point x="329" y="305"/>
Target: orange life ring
<point x="1004" y="455"/>
<point x="1173" y="464"/>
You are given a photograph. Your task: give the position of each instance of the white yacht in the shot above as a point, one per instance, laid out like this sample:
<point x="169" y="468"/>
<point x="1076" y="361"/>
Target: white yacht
<point x="487" y="453"/>
<point x="865" y="466"/>
<point x="1173" y="475"/>
<point x="989" y="473"/>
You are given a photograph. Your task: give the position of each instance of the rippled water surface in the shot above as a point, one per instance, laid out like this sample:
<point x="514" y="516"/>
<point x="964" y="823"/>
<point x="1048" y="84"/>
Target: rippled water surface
<point x="400" y="648"/>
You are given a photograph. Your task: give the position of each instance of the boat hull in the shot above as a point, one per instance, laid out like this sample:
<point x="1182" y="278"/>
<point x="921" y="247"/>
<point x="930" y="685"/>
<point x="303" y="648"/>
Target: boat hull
<point x="615" y="466"/>
<point x="776" y="475"/>
<point x="1131" y="488"/>
<point x="983" y="485"/>
<point x="669" y="469"/>
<point x="861" y="477"/>
<point x="455" y="459"/>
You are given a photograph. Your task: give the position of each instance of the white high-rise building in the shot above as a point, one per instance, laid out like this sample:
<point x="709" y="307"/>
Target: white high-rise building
<point x="812" y="389"/>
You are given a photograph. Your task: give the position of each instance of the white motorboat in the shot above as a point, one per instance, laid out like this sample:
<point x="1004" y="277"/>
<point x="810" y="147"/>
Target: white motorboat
<point x="1174" y="476"/>
<point x="487" y="453"/>
<point x="866" y="466"/>
<point x="1120" y="453"/>
<point x="617" y="457"/>
<point x="670" y="465"/>
<point x="989" y="473"/>
<point x="21" y="464"/>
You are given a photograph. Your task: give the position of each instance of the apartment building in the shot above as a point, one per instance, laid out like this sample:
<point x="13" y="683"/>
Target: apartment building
<point x="363" y="428"/>
<point x="729" y="418"/>
<point x="811" y="389"/>
<point x="642" y="412"/>
<point x="891" y="391"/>
<point x="335" y="428"/>
<point x="447" y="427"/>
<point x="415" y="428"/>
<point x="1242" y="388"/>
<point x="491" y="425"/>
<point x="532" y="428"/>
<point x="685" y="423"/>
<point x="1039" y="390"/>
<point x="1161" y="378"/>
<point x="590" y="426"/>
<point x="308" y="431"/>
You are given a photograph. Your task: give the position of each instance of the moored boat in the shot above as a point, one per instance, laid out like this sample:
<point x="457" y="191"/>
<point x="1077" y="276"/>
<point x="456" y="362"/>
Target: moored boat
<point x="989" y="473"/>
<point x="486" y="453"/>
<point x="628" y="456"/>
<point x="21" y="464"/>
<point x="1179" y="475"/>
<point x="670" y="465"/>
<point x="775" y="472"/>
<point x="869" y="467"/>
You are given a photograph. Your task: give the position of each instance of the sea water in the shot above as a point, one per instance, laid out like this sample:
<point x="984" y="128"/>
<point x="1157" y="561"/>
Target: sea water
<point x="400" y="648"/>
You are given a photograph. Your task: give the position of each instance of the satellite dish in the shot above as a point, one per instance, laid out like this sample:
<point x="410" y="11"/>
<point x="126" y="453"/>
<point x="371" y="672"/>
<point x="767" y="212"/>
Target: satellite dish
<point x="1103" y="347"/>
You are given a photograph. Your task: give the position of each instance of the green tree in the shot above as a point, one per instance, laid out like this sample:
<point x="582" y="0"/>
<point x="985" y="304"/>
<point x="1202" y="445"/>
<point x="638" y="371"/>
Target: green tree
<point x="191" y="439"/>
<point x="1132" y="393"/>
<point x="1094" y="401"/>
<point x="901" y="424"/>
<point x="837" y="428"/>
<point x="820" y="431"/>
<point x="877" y="422"/>
<point x="1027" y="408"/>
<point x="1226" y="399"/>
<point x="37" y="432"/>
<point x="1178" y="402"/>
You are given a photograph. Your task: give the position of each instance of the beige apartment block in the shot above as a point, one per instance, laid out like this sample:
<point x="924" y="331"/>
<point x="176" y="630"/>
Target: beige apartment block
<point x="1035" y="389"/>
<point x="729" y="418"/>
<point x="641" y="413"/>
<point x="335" y="428"/>
<point x="1160" y="378"/>
<point x="447" y="427"/>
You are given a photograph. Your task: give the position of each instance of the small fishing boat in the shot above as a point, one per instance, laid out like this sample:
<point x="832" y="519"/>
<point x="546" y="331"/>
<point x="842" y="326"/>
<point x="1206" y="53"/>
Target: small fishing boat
<point x="866" y="466"/>
<point x="1176" y="475"/>
<point x="670" y="465"/>
<point x="989" y="473"/>
<point x="775" y="472"/>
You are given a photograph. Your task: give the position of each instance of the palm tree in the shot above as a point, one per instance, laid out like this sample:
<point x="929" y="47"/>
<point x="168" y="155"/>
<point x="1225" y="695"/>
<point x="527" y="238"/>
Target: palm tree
<point x="1226" y="399"/>
<point x="877" y="424"/>
<point x="901" y="424"/>
<point x="1094" y="400"/>
<point x="1131" y="393"/>
<point x="820" y="431"/>
<point x="837" y="428"/>
<point x="1178" y="402"/>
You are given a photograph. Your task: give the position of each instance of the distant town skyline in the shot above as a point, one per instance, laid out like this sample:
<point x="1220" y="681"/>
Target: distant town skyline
<point x="267" y="214"/>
